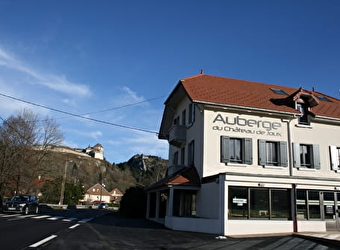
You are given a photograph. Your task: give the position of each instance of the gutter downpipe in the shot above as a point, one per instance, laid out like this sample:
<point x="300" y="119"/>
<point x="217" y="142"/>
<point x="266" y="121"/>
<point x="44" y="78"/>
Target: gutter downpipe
<point x="291" y="164"/>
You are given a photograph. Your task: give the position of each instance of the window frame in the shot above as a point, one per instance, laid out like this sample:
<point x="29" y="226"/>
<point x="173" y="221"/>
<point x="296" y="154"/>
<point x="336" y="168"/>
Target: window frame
<point x="315" y="163"/>
<point x="334" y="157"/>
<point x="281" y="153"/>
<point x="246" y="150"/>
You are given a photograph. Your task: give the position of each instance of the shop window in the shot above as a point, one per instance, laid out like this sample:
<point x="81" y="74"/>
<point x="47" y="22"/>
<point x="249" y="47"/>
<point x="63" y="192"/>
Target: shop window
<point x="238" y="203"/>
<point x="255" y="203"/>
<point x="273" y="153"/>
<point x="314" y="204"/>
<point x="329" y="205"/>
<point x="236" y="150"/>
<point x="259" y="203"/>
<point x="301" y="204"/>
<point x="184" y="203"/>
<point x="335" y="157"/>
<point x="306" y="156"/>
<point x="280" y="204"/>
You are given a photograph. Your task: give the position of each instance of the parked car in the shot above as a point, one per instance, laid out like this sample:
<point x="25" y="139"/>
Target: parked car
<point x="22" y="203"/>
<point x="103" y="206"/>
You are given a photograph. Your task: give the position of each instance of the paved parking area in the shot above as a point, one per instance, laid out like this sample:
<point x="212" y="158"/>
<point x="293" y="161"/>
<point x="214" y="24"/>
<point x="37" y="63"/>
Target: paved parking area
<point x="114" y="232"/>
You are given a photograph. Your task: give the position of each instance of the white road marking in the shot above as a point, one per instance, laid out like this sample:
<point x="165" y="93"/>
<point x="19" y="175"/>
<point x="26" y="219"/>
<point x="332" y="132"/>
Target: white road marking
<point x="43" y="241"/>
<point x="86" y="220"/>
<point x="56" y="218"/>
<point x="74" y="226"/>
<point x="41" y="217"/>
<point x="70" y="219"/>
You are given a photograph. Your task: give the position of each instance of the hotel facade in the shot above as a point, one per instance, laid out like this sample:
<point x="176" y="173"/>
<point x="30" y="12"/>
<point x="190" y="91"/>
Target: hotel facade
<point x="248" y="158"/>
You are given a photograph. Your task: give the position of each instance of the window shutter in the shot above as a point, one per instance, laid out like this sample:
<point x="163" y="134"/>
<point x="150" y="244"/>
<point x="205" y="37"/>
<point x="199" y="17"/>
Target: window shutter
<point x="283" y="154"/>
<point x="248" y="151"/>
<point x="334" y="157"/>
<point x="296" y="155"/>
<point x="225" y="149"/>
<point x="262" y="152"/>
<point x="316" y="157"/>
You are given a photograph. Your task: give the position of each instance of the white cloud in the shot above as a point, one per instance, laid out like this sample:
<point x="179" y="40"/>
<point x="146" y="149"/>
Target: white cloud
<point x="55" y="82"/>
<point x="96" y="134"/>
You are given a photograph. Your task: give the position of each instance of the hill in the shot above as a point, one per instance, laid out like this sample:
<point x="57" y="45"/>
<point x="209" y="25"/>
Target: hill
<point x="139" y="170"/>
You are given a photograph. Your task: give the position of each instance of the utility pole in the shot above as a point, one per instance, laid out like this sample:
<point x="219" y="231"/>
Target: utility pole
<point x="62" y="191"/>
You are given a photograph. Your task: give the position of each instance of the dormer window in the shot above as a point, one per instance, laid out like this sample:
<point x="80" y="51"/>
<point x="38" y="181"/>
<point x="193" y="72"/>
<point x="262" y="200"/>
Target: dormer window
<point x="304" y="118"/>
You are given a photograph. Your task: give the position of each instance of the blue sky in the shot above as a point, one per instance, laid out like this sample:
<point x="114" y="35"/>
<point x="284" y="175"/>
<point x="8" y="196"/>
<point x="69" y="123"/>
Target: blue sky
<point x="117" y="61"/>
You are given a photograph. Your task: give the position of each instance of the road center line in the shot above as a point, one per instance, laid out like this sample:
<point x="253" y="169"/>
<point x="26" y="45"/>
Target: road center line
<point x="43" y="241"/>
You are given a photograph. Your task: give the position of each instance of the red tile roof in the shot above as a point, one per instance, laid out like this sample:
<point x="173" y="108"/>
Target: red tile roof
<point x="247" y="94"/>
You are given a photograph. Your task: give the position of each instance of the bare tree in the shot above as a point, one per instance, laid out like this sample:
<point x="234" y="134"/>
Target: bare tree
<point x="24" y="143"/>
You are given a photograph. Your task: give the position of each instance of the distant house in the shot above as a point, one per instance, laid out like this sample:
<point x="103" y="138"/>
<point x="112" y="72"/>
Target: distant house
<point x="116" y="196"/>
<point x="97" y="151"/>
<point x="97" y="193"/>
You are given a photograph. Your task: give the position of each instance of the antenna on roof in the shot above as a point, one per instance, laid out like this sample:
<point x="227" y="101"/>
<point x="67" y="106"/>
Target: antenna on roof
<point x="202" y="72"/>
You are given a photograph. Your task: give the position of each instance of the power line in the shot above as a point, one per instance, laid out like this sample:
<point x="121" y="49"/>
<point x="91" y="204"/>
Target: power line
<point x="81" y="116"/>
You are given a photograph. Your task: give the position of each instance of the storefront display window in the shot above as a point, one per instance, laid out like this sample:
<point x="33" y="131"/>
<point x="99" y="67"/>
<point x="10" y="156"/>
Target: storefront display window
<point x="259" y="203"/>
<point x="314" y="204"/>
<point x="301" y="204"/>
<point x="280" y="204"/>
<point x="238" y="203"/>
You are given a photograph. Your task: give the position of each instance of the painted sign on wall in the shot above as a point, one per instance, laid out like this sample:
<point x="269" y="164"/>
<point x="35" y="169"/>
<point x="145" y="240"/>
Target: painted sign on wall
<point x="247" y="126"/>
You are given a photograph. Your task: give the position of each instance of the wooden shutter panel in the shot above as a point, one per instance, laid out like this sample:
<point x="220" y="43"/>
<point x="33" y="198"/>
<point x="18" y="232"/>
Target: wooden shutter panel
<point x="262" y="152"/>
<point x="225" y="149"/>
<point x="334" y="157"/>
<point x="248" y="151"/>
<point x="316" y="157"/>
<point x="283" y="154"/>
<point x="296" y="155"/>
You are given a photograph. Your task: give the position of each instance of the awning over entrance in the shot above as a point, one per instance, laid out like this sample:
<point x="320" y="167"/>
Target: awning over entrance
<point x="187" y="176"/>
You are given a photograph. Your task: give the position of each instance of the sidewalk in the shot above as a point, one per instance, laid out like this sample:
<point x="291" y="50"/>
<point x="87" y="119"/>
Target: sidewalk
<point x="332" y="237"/>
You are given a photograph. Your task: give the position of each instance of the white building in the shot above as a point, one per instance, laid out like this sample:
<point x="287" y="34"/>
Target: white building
<point x="248" y="158"/>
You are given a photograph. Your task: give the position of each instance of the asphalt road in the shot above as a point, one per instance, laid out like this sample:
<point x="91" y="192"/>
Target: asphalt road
<point x="95" y="229"/>
<point x="114" y="232"/>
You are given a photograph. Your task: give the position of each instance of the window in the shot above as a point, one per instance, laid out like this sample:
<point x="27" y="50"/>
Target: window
<point x="304" y="119"/>
<point x="191" y="153"/>
<point x="329" y="205"/>
<point x="176" y="121"/>
<point x="308" y="204"/>
<point x="323" y="98"/>
<point x="314" y="204"/>
<point x="335" y="157"/>
<point x="191" y="113"/>
<point x="301" y="204"/>
<point x="184" y="203"/>
<point x="238" y="202"/>
<point x="257" y="203"/>
<point x="280" y="205"/>
<point x="306" y="156"/>
<point x="278" y="91"/>
<point x="184" y="117"/>
<point x="236" y="150"/>
<point x="273" y="153"/>
<point x="175" y="158"/>
<point x="182" y="155"/>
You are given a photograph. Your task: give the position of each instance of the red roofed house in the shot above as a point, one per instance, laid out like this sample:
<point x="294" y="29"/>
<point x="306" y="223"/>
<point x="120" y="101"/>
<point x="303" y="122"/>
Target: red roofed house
<point x="97" y="193"/>
<point x="248" y="158"/>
